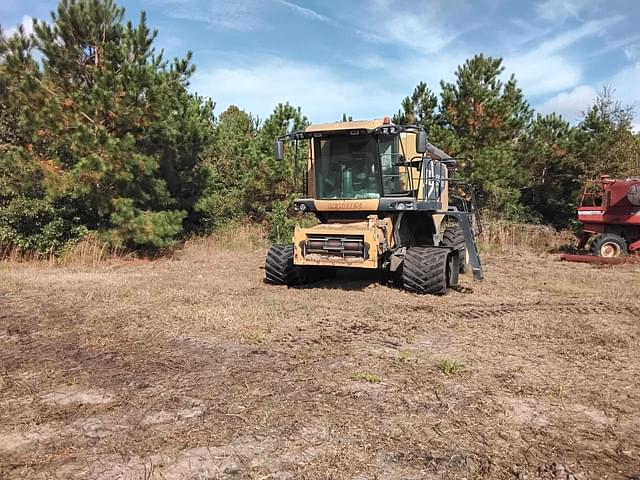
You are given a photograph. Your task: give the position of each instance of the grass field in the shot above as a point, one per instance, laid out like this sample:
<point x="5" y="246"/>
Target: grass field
<point x="193" y="368"/>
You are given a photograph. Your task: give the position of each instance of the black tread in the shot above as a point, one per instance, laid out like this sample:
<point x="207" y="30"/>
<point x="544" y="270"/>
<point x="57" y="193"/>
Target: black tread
<point x="279" y="267"/>
<point x="600" y="240"/>
<point x="425" y="270"/>
<point x="453" y="237"/>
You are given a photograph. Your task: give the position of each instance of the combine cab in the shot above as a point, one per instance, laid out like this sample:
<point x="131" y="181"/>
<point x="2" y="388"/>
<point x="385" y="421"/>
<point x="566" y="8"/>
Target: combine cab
<point x="384" y="200"/>
<point x="610" y="216"/>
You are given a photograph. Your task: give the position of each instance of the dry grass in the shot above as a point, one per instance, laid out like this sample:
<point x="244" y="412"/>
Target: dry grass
<point x="92" y="252"/>
<point x="516" y="238"/>
<point x="89" y="252"/>
<point x="191" y="366"/>
<point x="242" y="236"/>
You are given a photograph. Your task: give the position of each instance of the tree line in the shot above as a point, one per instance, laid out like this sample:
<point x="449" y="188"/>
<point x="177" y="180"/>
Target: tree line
<point x="100" y="135"/>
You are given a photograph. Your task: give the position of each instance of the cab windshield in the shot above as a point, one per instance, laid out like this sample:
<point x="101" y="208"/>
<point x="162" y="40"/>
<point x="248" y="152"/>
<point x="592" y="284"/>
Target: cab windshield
<point x="358" y="167"/>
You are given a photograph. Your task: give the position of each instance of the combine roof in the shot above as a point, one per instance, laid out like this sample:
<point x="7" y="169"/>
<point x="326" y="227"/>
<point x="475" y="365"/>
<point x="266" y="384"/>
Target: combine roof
<point x="357" y="125"/>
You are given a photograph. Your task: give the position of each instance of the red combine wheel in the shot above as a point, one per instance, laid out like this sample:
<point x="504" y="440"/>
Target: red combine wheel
<point x="609" y="245"/>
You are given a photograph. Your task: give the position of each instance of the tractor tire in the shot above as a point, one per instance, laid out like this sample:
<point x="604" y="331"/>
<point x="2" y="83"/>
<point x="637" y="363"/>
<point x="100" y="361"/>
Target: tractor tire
<point x="426" y="270"/>
<point x="279" y="267"/>
<point x="454" y="237"/>
<point x="609" y="245"/>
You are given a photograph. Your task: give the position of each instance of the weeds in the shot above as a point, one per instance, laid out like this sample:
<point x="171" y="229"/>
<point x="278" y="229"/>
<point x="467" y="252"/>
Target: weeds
<point x="439" y="389"/>
<point x="450" y="367"/>
<point x="366" y="377"/>
<point x="515" y="238"/>
<point x="558" y="391"/>
<point x="403" y="360"/>
<point x="255" y="337"/>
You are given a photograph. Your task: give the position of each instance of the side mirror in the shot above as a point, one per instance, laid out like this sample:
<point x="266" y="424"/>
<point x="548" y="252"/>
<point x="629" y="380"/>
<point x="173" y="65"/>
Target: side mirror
<point x="278" y="149"/>
<point x="421" y="141"/>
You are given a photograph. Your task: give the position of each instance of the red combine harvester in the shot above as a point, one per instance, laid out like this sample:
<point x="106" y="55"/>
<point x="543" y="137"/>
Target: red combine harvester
<point x="610" y="213"/>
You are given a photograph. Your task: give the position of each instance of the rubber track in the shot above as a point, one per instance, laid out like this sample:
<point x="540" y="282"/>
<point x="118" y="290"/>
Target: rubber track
<point x="453" y="237"/>
<point x="279" y="267"/>
<point x="425" y="270"/>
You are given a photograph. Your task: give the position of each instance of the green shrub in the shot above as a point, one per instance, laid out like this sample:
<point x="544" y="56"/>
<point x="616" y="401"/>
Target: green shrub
<point x="36" y="225"/>
<point x="280" y="224"/>
<point x="147" y="229"/>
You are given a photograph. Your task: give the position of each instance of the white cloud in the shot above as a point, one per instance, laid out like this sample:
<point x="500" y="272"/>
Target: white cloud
<point x="369" y="61"/>
<point x="405" y="72"/>
<point x="411" y="30"/>
<point x="427" y="27"/>
<point x="238" y="15"/>
<point x="587" y="29"/>
<point x="632" y="52"/>
<point x="539" y="75"/>
<point x="430" y="68"/>
<point x="570" y="104"/>
<point x="323" y="95"/>
<point x="558" y="11"/>
<point x="27" y="24"/>
<point x="628" y="45"/>
<point x="624" y="85"/>
<point x="547" y="68"/>
<point x="307" y="12"/>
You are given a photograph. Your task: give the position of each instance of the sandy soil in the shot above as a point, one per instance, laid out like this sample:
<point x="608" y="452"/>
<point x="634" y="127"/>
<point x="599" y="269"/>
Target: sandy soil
<point x="192" y="368"/>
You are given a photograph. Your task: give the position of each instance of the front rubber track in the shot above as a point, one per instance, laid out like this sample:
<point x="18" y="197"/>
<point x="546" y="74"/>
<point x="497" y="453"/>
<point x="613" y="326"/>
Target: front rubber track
<point x="425" y="270"/>
<point x="279" y="267"/>
<point x="454" y="237"/>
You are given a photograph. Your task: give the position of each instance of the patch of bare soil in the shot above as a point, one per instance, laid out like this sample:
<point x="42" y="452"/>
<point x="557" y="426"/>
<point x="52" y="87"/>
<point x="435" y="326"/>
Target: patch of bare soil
<point x="195" y="369"/>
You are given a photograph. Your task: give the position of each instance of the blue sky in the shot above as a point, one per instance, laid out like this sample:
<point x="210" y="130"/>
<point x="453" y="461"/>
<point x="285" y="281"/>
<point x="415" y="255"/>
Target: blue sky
<point x="363" y="57"/>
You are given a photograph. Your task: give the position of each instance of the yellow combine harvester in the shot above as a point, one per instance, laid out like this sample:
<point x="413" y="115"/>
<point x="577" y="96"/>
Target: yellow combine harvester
<point x="384" y="200"/>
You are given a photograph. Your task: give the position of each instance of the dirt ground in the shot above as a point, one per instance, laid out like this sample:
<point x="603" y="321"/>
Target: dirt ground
<point x="192" y="368"/>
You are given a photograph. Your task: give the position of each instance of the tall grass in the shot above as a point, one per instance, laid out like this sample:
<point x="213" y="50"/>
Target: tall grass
<point x="92" y="252"/>
<point x="497" y="237"/>
<point x="514" y="238"/>
<point x="235" y="237"/>
<point x="89" y="252"/>
<point x="9" y="253"/>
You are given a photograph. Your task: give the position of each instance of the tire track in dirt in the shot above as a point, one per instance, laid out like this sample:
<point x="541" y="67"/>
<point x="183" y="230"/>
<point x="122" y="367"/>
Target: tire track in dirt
<point x="481" y="312"/>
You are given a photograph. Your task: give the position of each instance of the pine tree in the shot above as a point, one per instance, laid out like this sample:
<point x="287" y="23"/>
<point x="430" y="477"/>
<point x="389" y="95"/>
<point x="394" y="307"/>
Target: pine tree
<point x="483" y="118"/>
<point x="553" y="170"/>
<point x="233" y="167"/>
<point x="419" y="109"/>
<point x="108" y="123"/>
<point x="605" y="140"/>
<point x="277" y="179"/>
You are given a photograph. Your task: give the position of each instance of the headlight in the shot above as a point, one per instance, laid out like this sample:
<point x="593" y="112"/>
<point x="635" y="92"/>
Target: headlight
<point x="303" y="207"/>
<point x="404" y="205"/>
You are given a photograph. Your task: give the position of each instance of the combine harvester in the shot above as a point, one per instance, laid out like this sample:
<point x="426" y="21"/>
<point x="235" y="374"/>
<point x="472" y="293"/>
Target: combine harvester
<point x="384" y="200"/>
<point x="609" y="213"/>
